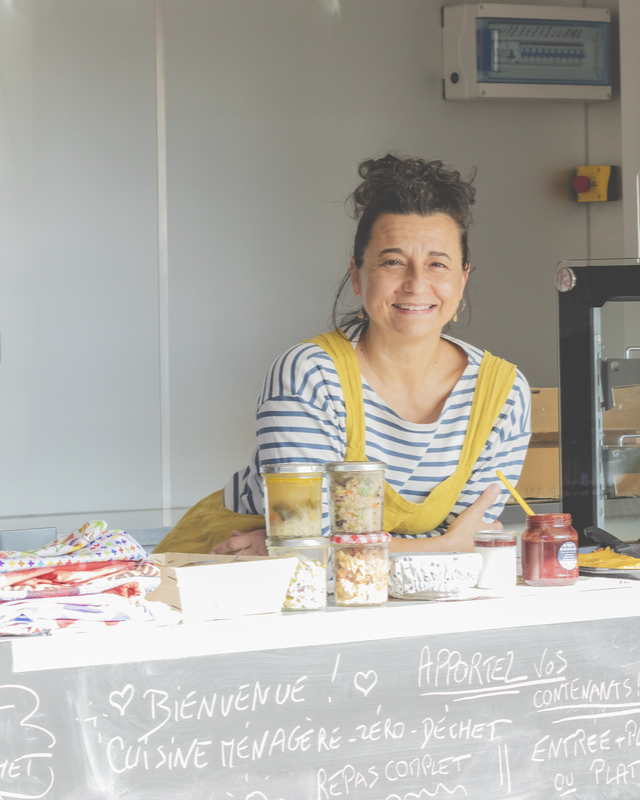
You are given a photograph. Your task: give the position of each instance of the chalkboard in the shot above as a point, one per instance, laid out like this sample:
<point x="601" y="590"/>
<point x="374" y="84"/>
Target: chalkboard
<point x="537" y="712"/>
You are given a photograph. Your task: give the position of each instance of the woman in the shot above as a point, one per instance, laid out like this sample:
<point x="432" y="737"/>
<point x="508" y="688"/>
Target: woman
<point x="389" y="386"/>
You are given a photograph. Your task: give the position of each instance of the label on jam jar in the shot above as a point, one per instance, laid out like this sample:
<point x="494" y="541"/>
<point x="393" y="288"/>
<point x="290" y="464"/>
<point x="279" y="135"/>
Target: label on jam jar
<point x="568" y="555"/>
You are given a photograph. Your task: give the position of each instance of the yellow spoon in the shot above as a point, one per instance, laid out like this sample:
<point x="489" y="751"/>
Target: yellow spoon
<point x="515" y="494"/>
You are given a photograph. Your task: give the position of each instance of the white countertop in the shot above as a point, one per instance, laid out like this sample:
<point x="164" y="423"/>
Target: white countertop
<point x="397" y="619"/>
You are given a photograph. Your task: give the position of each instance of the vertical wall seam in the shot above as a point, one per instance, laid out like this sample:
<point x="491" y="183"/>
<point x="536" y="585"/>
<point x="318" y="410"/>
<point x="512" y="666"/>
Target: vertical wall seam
<point x="586" y="163"/>
<point x="163" y="267"/>
<point x="638" y="211"/>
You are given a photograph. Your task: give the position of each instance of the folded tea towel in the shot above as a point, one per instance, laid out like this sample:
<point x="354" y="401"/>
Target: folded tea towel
<point x="126" y="578"/>
<point x="80" y="614"/>
<point x="90" y="543"/>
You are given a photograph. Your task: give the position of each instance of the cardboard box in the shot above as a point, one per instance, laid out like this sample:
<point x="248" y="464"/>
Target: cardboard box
<point x="627" y="485"/>
<point x="205" y="587"/>
<point x="544" y="415"/>
<point x="624" y="417"/>
<point x="540" y="478"/>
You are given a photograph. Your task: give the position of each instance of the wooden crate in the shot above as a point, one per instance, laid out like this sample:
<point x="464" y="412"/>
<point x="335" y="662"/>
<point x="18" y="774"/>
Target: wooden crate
<point x="544" y="415"/>
<point x="540" y="478"/>
<point x="624" y="417"/>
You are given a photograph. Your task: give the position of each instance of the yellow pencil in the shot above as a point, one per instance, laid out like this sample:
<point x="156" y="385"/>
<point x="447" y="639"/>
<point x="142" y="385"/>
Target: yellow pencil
<point x="515" y="494"/>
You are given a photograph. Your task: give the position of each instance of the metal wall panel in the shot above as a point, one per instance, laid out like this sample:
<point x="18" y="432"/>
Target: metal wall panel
<point x="79" y="418"/>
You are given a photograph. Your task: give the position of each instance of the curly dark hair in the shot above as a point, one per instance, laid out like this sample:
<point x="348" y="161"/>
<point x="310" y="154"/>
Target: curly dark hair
<point x="404" y="185"/>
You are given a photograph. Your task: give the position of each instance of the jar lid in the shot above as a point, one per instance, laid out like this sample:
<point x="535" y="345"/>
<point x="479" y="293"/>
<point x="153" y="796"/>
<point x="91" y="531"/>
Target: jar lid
<point x="360" y="538"/>
<point x="495" y="536"/>
<point x="316" y="541"/>
<point x="291" y="467"/>
<point x="355" y="466"/>
<point x="554" y="519"/>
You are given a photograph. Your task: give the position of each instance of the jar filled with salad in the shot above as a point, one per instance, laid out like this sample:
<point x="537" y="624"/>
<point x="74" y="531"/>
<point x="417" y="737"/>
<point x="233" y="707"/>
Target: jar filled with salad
<point x="356" y="496"/>
<point x="361" y="568"/>
<point x="293" y="500"/>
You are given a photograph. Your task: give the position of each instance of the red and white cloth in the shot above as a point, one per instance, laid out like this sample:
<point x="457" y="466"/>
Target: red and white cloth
<point x="91" y="560"/>
<point x="80" y="614"/>
<point x="88" y="576"/>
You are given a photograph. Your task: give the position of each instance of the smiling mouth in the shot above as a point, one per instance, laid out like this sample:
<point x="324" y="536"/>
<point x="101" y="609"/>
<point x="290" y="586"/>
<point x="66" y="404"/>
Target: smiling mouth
<point x="406" y="307"/>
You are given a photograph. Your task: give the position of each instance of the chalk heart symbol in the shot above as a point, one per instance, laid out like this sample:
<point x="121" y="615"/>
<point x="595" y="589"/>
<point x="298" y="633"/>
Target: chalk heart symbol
<point x="365" y="681"/>
<point x="122" y="699"/>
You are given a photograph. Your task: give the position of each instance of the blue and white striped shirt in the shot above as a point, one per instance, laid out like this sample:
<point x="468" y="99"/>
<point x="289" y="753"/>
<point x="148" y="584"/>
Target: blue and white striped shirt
<point x="300" y="416"/>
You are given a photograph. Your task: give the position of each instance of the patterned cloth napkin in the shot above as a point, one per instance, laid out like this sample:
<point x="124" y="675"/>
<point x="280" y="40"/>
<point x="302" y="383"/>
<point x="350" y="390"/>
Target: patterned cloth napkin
<point x="126" y="578"/>
<point x="92" y="574"/>
<point x="80" y="614"/>
<point x="91" y="542"/>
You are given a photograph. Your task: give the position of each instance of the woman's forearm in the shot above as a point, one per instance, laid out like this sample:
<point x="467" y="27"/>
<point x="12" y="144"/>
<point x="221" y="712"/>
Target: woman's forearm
<point x="459" y="535"/>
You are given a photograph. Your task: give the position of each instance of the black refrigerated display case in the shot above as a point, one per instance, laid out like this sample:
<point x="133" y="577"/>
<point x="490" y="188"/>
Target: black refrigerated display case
<point x="599" y="382"/>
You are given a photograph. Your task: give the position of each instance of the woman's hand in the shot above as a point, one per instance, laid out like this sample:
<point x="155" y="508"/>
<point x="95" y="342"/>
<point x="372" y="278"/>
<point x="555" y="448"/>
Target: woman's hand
<point x="458" y="537"/>
<point x="252" y="543"/>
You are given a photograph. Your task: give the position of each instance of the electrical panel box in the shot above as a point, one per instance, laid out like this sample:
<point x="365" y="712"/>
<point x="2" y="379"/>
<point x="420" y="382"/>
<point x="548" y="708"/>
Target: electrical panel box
<point x="509" y="52"/>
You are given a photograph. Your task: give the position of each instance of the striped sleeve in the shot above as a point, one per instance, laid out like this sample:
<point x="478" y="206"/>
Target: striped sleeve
<point x="300" y="417"/>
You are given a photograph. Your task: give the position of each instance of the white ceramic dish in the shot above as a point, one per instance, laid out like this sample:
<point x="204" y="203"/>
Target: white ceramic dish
<point x="432" y="576"/>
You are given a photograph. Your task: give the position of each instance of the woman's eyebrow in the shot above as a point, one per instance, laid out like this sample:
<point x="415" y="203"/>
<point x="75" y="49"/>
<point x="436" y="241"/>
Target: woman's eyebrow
<point x="400" y="251"/>
<point x="438" y="254"/>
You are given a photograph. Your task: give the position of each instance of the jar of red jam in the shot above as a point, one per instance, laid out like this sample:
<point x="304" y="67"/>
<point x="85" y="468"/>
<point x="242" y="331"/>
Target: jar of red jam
<point x="549" y="551"/>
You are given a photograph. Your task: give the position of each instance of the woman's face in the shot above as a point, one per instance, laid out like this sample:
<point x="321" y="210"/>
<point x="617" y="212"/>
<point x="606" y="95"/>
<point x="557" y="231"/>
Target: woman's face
<point x="411" y="279"/>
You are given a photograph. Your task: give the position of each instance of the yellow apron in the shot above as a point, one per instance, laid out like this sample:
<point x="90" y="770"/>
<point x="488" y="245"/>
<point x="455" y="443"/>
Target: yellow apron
<point x="495" y="380"/>
<point x="208" y="523"/>
<point x="205" y="525"/>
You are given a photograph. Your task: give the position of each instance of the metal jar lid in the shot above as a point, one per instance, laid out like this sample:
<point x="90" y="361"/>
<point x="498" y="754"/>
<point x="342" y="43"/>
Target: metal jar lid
<point x="293" y="467"/>
<point x="360" y="538"/>
<point x="290" y="544"/>
<point x="355" y="466"/>
<point x="495" y="536"/>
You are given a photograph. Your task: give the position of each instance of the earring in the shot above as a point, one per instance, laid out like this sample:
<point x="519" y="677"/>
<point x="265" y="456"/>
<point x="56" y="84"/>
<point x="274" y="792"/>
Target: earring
<point x="361" y="314"/>
<point x="455" y="316"/>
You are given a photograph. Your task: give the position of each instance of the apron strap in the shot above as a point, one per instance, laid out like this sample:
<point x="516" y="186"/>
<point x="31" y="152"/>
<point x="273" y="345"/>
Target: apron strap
<point x="495" y="381"/>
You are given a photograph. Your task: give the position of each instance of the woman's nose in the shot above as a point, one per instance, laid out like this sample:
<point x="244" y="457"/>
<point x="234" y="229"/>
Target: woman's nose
<point x="415" y="279"/>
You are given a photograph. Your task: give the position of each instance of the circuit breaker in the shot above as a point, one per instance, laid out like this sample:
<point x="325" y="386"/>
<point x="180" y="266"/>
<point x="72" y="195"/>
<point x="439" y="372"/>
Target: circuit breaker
<point x="509" y="52"/>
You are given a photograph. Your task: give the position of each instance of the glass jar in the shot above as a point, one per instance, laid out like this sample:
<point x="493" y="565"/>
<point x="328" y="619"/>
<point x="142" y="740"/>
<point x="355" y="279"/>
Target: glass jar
<point x="549" y="551"/>
<point x="356" y="496"/>
<point x="308" y="587"/>
<point x="293" y="500"/>
<point x="498" y="551"/>
<point x="360" y="564"/>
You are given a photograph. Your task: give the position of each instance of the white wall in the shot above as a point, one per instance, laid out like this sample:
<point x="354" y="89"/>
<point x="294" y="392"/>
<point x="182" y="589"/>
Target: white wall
<point x="284" y="99"/>
<point x="271" y="104"/>
<point x="79" y="417"/>
<point x="603" y="145"/>
<point x="630" y="112"/>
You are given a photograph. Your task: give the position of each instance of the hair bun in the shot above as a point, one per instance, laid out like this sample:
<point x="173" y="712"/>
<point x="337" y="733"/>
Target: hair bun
<point x="409" y="181"/>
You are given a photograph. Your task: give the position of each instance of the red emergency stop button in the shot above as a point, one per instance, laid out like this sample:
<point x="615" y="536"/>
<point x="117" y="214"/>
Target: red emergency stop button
<point x="581" y="183"/>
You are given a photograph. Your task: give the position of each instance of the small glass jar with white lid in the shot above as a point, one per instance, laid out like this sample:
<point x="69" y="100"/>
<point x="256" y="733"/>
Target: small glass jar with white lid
<point x="356" y="496"/>
<point x="308" y="586"/>
<point x="293" y="500"/>
<point x="498" y="551"/>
